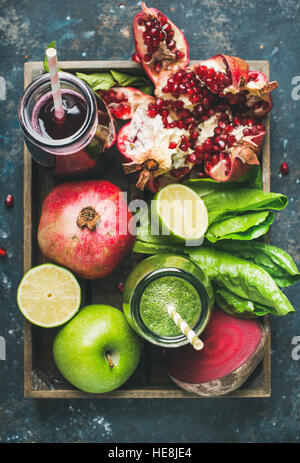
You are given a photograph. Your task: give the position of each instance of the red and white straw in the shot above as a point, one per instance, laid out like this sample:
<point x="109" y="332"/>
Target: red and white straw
<point x="55" y="84"/>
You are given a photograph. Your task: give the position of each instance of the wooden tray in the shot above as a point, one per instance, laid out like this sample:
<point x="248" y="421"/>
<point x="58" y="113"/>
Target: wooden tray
<point x="41" y="377"/>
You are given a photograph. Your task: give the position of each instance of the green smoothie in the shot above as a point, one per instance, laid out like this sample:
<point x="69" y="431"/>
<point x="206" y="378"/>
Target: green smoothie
<point x="164" y="291"/>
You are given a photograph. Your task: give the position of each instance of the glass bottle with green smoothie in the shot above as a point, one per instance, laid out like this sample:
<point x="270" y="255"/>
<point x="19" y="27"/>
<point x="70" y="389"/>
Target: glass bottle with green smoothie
<point x="161" y="281"/>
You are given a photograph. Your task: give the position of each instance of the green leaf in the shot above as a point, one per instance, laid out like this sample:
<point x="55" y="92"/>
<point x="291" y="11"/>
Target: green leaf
<point x="128" y="80"/>
<point x="237" y="306"/>
<point x="51" y="45"/>
<point x="223" y="204"/>
<point x="242" y="227"/>
<point x="98" y="81"/>
<point x="205" y="186"/>
<point x="274" y="260"/>
<point x="243" y="278"/>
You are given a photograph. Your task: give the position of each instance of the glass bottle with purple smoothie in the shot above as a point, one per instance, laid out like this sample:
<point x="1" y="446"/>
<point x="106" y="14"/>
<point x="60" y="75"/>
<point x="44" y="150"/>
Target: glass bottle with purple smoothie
<point x="74" y="145"/>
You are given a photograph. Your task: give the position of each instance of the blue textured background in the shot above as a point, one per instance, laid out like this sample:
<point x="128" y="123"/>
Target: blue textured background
<point x="268" y="30"/>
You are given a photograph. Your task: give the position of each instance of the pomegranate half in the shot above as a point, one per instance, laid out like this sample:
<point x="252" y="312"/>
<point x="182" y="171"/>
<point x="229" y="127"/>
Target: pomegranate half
<point x="84" y="226"/>
<point x="210" y="113"/>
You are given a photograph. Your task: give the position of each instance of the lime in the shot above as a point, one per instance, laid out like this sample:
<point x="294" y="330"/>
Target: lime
<point x="182" y="213"/>
<point x="48" y="295"/>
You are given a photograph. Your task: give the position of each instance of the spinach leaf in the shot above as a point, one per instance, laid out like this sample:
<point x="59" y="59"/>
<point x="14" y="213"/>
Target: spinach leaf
<point x="274" y="260"/>
<point x="205" y="186"/>
<point x="98" y="80"/>
<point x="241" y="227"/>
<point x="243" y="278"/>
<point x="128" y="80"/>
<point x="235" y="305"/>
<point x="224" y="204"/>
<point x="240" y="285"/>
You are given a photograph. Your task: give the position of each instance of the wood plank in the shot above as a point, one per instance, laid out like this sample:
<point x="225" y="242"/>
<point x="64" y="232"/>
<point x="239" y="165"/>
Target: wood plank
<point x="38" y="361"/>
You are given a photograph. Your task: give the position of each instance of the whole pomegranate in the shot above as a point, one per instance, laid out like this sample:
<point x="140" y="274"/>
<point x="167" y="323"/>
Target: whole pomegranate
<point x="206" y="118"/>
<point x="84" y="226"/>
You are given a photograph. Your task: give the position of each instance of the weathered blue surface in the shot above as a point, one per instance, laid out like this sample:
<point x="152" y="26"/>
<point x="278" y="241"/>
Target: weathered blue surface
<point x="102" y="30"/>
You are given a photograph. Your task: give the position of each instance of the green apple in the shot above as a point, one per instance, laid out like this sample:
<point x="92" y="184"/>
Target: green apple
<point x="97" y="350"/>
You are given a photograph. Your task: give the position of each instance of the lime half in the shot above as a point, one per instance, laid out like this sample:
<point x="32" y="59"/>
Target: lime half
<point x="182" y="213"/>
<point x="49" y="295"/>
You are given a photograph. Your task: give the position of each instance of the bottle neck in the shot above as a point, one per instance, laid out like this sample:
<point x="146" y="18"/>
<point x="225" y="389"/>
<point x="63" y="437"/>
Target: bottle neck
<point x="37" y="91"/>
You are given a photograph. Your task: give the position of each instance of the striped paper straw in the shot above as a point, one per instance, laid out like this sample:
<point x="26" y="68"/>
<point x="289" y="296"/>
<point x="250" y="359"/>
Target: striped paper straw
<point x="185" y="329"/>
<point x="55" y="84"/>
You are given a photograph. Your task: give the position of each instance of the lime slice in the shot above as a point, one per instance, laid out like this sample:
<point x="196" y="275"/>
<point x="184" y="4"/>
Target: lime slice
<point x="48" y="295"/>
<point x="182" y="213"/>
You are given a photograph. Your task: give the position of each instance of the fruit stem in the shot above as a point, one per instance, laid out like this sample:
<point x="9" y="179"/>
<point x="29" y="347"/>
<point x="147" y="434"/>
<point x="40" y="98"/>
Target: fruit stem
<point x="146" y="170"/>
<point x="110" y="361"/>
<point x="88" y="217"/>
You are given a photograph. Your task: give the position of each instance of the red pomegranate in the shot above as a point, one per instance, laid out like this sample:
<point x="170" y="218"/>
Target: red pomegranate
<point x="123" y="101"/>
<point x="84" y="226"/>
<point x="206" y="118"/>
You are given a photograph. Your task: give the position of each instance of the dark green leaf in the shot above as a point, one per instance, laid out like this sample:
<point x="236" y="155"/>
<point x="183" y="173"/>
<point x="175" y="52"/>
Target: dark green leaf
<point x="274" y="260"/>
<point x="98" y="81"/>
<point x="243" y="278"/>
<point x="241" y="227"/>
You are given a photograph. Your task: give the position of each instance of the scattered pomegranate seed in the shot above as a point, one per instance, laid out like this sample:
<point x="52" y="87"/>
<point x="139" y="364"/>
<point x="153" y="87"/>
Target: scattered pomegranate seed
<point x="136" y="58"/>
<point x="9" y="201"/>
<point x="284" y="168"/>
<point x="120" y="287"/>
<point x="172" y="145"/>
<point x="2" y="253"/>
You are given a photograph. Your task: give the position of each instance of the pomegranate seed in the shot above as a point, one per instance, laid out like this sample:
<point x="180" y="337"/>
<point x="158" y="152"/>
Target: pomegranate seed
<point x="167" y="26"/>
<point x="192" y="158"/>
<point x="172" y="145"/>
<point x="9" y="201"/>
<point x="160" y="103"/>
<point x="179" y="54"/>
<point x="165" y="89"/>
<point x="171" y="44"/>
<point x="147" y="58"/>
<point x="195" y="99"/>
<point x="247" y="132"/>
<point x="141" y="22"/>
<point x="179" y="124"/>
<point x="136" y="58"/>
<point x="215" y="159"/>
<point x="163" y="19"/>
<point x="194" y="134"/>
<point x="2" y="253"/>
<point x="161" y="36"/>
<point x="284" y="168"/>
<point x="152" y="113"/>
<point x="120" y="287"/>
<point x="260" y="127"/>
<point x="170" y="34"/>
<point x="208" y="166"/>
<point x="184" y="145"/>
<point x="229" y="128"/>
<point x="154" y="32"/>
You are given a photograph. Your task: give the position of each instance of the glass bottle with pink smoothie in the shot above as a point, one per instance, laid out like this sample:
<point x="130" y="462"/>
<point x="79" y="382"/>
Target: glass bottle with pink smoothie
<point x="75" y="145"/>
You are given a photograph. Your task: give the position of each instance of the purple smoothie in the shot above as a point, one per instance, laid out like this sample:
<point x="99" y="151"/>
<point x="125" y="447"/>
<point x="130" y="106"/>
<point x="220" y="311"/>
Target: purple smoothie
<point x="43" y="120"/>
